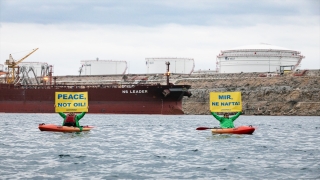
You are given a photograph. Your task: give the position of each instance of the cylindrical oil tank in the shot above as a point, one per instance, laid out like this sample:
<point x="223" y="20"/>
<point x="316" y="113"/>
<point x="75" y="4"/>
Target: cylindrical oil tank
<point x="102" y="67"/>
<point x="177" y="65"/>
<point x="257" y="58"/>
<point x="39" y="68"/>
<point x="2" y="72"/>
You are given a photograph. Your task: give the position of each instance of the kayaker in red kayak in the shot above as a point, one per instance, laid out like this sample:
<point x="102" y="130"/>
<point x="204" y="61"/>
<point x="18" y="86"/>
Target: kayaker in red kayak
<point x="226" y="121"/>
<point x="71" y="119"/>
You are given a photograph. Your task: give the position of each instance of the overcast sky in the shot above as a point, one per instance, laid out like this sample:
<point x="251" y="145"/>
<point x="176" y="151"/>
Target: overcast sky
<point x="67" y="32"/>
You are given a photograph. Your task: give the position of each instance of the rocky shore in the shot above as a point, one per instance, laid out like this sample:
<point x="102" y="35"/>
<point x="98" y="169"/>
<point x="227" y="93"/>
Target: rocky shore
<point x="276" y="95"/>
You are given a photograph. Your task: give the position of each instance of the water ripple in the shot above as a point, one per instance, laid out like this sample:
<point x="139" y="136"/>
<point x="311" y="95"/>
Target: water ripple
<point x="159" y="147"/>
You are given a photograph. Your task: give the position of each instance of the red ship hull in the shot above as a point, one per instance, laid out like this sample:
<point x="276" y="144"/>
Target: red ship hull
<point x="109" y="99"/>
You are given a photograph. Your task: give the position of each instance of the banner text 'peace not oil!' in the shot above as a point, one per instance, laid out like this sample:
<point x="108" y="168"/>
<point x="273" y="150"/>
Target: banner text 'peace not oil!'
<point x="71" y="102"/>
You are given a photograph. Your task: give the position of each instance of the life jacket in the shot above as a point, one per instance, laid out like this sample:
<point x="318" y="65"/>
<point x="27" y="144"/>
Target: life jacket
<point x="70" y="119"/>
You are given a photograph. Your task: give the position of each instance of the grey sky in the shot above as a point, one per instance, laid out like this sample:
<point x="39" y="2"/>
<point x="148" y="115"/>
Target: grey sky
<point x="67" y="32"/>
<point x="150" y="13"/>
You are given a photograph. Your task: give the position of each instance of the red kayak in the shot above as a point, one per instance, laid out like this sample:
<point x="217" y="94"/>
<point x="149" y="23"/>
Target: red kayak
<point x="57" y="128"/>
<point x="237" y="130"/>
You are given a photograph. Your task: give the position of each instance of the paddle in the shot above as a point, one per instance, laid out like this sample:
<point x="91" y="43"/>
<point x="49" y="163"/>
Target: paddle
<point x="204" y="128"/>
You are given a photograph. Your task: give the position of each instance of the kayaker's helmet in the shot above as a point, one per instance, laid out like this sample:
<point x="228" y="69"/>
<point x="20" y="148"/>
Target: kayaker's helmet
<point x="226" y="115"/>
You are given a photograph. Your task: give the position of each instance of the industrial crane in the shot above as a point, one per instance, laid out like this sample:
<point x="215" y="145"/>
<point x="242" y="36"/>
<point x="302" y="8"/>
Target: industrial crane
<point x="13" y="68"/>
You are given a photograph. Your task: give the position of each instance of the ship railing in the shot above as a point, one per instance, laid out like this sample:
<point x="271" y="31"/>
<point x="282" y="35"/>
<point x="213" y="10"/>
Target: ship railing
<point x="91" y="86"/>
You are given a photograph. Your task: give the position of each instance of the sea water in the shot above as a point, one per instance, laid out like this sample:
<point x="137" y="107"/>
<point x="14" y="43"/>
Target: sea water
<point x="159" y="147"/>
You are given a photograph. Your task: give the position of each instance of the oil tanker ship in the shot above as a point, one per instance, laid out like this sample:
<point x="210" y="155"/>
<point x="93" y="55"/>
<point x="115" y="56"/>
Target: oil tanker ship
<point x="102" y="98"/>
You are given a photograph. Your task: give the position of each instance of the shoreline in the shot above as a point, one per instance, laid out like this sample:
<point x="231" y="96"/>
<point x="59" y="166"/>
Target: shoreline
<point x="263" y="94"/>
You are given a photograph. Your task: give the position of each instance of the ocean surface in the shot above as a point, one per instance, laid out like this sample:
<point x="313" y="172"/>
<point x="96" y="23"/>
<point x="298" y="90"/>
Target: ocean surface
<point x="159" y="147"/>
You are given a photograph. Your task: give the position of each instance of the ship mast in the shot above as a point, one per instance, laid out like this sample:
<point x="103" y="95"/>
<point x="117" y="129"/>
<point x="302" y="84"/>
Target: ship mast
<point x="168" y="72"/>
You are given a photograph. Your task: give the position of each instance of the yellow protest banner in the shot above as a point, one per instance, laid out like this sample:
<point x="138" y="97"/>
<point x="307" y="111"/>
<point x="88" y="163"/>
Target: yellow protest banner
<point x="71" y="102"/>
<point x="225" y="102"/>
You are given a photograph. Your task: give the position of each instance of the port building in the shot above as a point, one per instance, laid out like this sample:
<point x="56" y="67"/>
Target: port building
<point x="258" y="58"/>
<point x="177" y="65"/>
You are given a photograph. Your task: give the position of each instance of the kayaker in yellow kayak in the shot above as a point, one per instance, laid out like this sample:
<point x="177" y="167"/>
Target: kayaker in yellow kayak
<point x="226" y="121"/>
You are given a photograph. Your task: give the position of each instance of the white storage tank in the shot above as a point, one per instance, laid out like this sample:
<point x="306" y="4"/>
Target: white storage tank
<point x="2" y="72"/>
<point x="102" y="67"/>
<point x="39" y="68"/>
<point x="177" y="65"/>
<point x="257" y="58"/>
